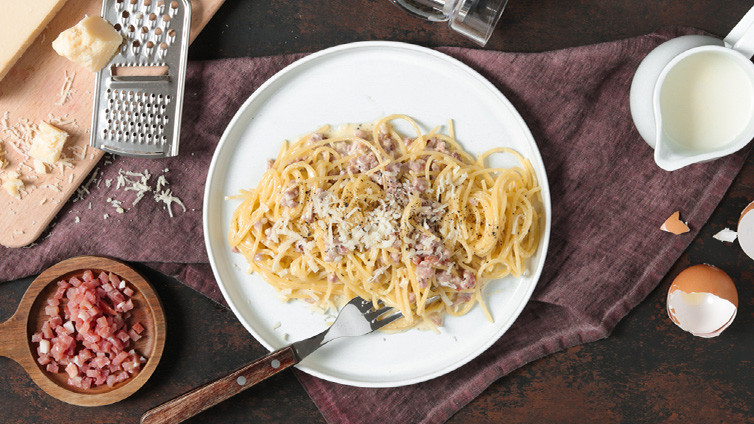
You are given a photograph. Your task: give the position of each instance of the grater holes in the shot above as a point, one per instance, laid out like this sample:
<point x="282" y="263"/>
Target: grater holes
<point x="152" y="16"/>
<point x="174" y="4"/>
<point x="131" y="28"/>
<point x="166" y="18"/>
<point x="117" y="27"/>
<point x="125" y="14"/>
<point x="147" y="3"/>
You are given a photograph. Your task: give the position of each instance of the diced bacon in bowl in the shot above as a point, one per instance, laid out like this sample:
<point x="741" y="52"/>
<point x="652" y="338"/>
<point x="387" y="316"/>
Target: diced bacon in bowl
<point x="87" y="334"/>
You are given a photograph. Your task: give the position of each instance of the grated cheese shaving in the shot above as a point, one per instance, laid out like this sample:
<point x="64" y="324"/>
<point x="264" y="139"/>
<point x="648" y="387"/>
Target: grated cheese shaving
<point x="168" y="199"/>
<point x="66" y="91"/>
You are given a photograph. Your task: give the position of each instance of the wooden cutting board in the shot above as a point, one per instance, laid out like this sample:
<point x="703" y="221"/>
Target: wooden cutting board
<point x="35" y="90"/>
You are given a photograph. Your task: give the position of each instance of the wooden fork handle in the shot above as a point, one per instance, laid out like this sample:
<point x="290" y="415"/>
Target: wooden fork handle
<point x="189" y="404"/>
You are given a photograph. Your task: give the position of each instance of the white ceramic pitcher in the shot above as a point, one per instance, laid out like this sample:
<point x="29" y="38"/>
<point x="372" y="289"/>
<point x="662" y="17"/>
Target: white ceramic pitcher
<point x="666" y="116"/>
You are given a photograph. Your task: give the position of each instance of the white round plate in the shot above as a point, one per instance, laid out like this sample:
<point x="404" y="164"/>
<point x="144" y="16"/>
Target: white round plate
<point x="356" y="83"/>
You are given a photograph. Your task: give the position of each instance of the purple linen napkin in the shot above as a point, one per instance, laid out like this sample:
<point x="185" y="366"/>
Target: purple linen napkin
<point x="609" y="200"/>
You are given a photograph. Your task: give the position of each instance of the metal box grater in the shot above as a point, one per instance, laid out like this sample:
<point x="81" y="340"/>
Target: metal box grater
<point x="139" y="114"/>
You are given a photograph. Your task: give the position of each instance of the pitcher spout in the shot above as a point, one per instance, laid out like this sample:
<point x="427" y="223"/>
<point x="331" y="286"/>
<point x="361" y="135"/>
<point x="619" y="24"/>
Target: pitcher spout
<point x="670" y="158"/>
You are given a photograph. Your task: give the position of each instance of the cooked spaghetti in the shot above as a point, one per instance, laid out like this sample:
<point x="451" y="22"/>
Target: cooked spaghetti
<point x="365" y="211"/>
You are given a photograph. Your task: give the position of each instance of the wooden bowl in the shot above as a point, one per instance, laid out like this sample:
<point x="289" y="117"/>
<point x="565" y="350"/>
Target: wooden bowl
<point x="17" y="331"/>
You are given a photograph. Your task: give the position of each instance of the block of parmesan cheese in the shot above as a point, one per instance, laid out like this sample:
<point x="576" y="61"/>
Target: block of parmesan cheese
<point x="91" y="43"/>
<point x="20" y="23"/>
<point x="47" y="144"/>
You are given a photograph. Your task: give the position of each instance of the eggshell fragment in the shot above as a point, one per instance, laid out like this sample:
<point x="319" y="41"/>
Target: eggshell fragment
<point x="674" y="224"/>
<point x="746" y="230"/>
<point x="727" y="235"/>
<point x="703" y="300"/>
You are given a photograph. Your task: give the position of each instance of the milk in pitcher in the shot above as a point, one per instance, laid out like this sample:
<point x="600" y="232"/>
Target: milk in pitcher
<point x="706" y="101"/>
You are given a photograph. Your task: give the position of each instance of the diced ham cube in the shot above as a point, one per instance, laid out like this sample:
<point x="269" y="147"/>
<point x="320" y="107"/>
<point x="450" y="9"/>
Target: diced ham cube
<point x="102" y="379"/>
<point x="85" y="354"/>
<point x="44" y="346"/>
<point x="47" y="331"/>
<point x="86" y="383"/>
<point x="44" y="359"/>
<point x="123" y="336"/>
<point x="60" y="292"/>
<point x="72" y="370"/>
<point x="88" y="275"/>
<point x="53" y="368"/>
<point x="134" y="335"/>
<point x="119" y="358"/>
<point x="101" y="362"/>
<point x="123" y="376"/>
<point x="75" y="381"/>
<point x="129" y="304"/>
<point x="138" y="328"/>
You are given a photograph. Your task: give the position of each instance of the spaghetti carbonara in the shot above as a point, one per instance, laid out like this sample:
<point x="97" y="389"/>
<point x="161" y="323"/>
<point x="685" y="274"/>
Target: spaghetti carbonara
<point x="366" y="211"/>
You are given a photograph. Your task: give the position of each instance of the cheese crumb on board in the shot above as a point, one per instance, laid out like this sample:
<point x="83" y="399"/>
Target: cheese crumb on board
<point x="19" y="136"/>
<point x="47" y="144"/>
<point x="91" y="43"/>
<point x="40" y="167"/>
<point x="66" y="91"/>
<point x="20" y="23"/>
<point x="13" y="185"/>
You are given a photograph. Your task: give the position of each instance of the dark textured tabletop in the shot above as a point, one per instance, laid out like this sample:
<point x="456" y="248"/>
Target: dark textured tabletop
<point x="648" y="370"/>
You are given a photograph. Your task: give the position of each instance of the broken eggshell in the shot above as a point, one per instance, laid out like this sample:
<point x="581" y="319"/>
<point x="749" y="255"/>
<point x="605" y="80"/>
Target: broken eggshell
<point x="702" y="300"/>
<point x="746" y="230"/>
<point x="674" y="224"/>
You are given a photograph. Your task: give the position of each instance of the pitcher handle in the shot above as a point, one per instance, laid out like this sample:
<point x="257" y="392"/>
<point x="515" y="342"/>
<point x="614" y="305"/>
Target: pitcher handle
<point x="741" y="37"/>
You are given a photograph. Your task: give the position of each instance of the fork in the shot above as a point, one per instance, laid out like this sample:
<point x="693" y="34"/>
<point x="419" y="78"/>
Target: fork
<point x="355" y="319"/>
